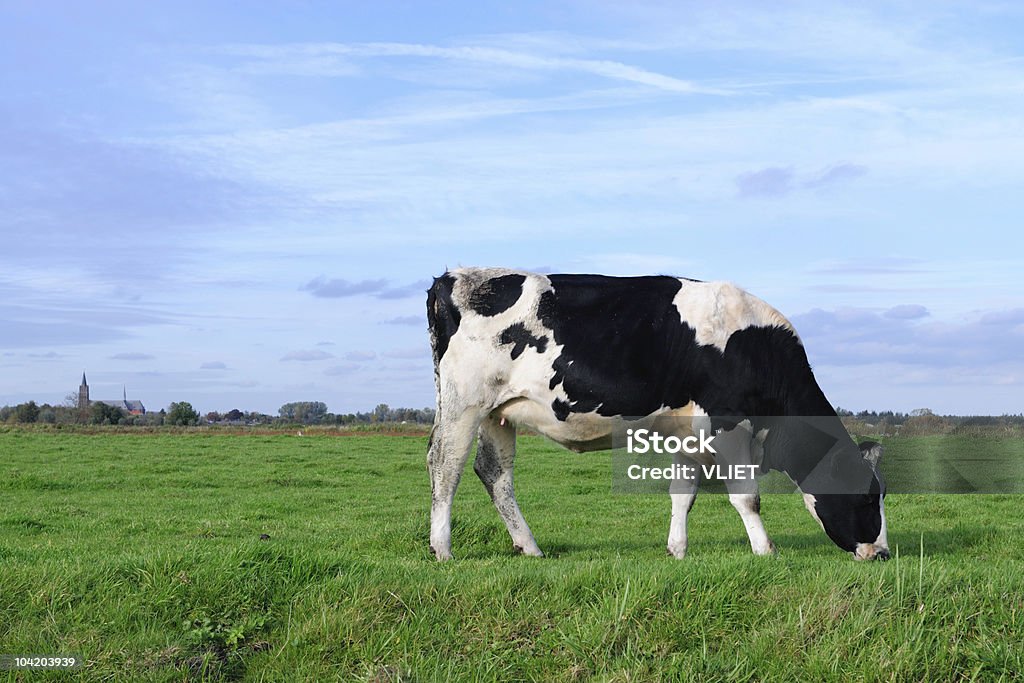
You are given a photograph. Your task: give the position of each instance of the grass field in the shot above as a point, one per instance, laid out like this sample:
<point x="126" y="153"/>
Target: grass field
<point x="143" y="554"/>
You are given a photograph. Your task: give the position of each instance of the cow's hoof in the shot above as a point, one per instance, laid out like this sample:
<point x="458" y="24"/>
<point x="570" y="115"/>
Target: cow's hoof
<point x="768" y="550"/>
<point x="676" y="551"/>
<point x="441" y="555"/>
<point x="529" y="552"/>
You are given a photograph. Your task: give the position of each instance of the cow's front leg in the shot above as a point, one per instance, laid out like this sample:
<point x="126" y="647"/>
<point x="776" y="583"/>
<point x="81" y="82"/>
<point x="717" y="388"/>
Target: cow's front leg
<point x="749" y="507"/>
<point x="739" y="446"/>
<point x="450" y="441"/>
<point x="683" y="493"/>
<point x="495" y="456"/>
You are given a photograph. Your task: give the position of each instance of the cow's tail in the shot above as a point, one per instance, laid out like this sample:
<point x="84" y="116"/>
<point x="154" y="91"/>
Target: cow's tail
<point x="443" y="319"/>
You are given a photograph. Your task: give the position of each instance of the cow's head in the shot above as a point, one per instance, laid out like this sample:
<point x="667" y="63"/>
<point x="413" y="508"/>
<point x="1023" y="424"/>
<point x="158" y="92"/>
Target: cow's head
<point x="856" y="521"/>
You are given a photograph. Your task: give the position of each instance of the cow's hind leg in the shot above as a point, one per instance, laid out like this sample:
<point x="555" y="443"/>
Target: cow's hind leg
<point x="450" y="441"/>
<point x="495" y="455"/>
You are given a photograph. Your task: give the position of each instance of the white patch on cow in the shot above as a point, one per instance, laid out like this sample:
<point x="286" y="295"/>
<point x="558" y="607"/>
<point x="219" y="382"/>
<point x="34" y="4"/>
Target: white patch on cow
<point x="715" y="310"/>
<point x="475" y="356"/>
<point x="516" y="390"/>
<point x="882" y="542"/>
<point x="809" y="503"/>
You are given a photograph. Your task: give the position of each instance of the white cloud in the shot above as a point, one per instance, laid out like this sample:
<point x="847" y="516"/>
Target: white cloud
<point x="282" y="55"/>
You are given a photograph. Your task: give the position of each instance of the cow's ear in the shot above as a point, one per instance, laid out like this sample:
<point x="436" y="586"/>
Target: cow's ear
<point x="872" y="452"/>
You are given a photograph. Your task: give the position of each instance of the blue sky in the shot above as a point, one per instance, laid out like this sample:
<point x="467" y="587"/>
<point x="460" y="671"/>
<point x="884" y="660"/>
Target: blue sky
<point x="240" y="204"/>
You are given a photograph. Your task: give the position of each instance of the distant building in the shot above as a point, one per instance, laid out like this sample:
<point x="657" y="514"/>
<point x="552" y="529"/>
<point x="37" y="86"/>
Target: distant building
<point x="130" y="407"/>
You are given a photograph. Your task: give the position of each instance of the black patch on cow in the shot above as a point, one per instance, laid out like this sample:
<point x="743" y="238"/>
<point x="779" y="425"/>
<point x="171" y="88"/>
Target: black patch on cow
<point x="443" y="316"/>
<point x="561" y="409"/>
<point x="497" y="294"/>
<point x="625" y="352"/>
<point x="520" y="338"/>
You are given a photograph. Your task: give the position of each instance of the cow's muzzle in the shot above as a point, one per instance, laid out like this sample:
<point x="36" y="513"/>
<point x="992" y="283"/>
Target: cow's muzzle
<point x="870" y="551"/>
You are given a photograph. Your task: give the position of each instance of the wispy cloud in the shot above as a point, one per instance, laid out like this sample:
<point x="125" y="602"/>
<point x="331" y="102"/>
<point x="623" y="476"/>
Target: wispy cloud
<point x="213" y="365"/>
<point x="132" y="355"/>
<point x="768" y="182"/>
<point x="836" y="174"/>
<point x="283" y="56"/>
<point x="417" y="288"/>
<point x="336" y="288"/>
<point x="776" y="181"/>
<point x="305" y="356"/>
<point x="341" y="370"/>
<point x="907" y="312"/>
<point x="871" y="265"/>
<point x="1008" y="318"/>
<point x="405" y="320"/>
<point x="418" y="352"/>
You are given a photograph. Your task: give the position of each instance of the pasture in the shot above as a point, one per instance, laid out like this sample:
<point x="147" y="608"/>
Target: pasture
<point x="142" y="552"/>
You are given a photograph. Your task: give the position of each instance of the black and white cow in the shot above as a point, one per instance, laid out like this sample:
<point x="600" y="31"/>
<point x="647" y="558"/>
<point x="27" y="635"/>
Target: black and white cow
<point x="569" y="355"/>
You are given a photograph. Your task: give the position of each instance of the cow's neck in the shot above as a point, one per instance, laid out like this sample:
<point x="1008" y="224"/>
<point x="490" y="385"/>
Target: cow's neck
<point x="808" y="431"/>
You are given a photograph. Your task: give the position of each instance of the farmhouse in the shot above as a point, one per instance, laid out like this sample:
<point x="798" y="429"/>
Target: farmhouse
<point x="131" y="407"/>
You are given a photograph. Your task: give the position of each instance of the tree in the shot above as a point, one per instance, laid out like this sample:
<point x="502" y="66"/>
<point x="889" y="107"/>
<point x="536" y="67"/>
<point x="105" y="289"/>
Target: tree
<point x="234" y="415"/>
<point x="181" y="414"/>
<point x="103" y="414"/>
<point x="26" y="412"/>
<point x="307" y="412"/>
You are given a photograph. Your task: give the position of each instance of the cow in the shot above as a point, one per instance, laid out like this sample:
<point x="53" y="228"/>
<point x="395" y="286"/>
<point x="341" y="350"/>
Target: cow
<point x="571" y="356"/>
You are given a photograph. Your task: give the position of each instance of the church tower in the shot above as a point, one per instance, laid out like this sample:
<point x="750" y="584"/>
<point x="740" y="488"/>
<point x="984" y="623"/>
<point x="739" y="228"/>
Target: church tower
<point x="83" y="394"/>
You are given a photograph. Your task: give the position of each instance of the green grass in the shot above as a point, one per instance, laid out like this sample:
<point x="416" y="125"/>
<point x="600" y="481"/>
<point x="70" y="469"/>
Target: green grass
<point x="142" y="553"/>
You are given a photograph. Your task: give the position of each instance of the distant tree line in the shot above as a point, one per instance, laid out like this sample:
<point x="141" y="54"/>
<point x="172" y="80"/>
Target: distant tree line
<point x="316" y="413"/>
<point x="98" y="413"/>
<point x="922" y="421"/>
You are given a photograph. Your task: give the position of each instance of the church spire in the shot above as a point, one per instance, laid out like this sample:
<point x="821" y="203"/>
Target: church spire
<point x="83" y="394"/>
